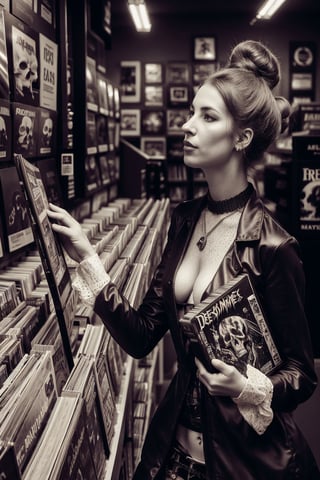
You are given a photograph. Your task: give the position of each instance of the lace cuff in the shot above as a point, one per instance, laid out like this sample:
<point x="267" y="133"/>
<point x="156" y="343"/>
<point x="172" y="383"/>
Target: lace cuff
<point x="255" y="399"/>
<point x="90" y="278"/>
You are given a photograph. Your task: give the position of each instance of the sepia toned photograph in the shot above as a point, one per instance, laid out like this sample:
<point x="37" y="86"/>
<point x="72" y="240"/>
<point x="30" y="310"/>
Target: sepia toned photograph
<point x="155" y="147"/>
<point x="204" y="48"/>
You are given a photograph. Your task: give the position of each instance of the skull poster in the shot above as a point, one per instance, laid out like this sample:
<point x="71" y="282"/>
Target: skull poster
<point x="47" y="131"/>
<point x="25" y="130"/>
<point x="25" y="67"/>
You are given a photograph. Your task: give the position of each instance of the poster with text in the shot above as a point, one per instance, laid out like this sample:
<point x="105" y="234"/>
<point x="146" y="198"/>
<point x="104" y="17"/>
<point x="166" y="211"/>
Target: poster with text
<point x="48" y="72"/>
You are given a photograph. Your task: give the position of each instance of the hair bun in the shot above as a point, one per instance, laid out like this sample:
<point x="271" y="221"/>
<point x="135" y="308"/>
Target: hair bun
<point x="257" y="58"/>
<point x="285" y="111"/>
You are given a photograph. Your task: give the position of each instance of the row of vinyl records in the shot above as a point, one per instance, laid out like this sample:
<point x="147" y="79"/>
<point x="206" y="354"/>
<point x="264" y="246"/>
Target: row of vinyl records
<point x="58" y="422"/>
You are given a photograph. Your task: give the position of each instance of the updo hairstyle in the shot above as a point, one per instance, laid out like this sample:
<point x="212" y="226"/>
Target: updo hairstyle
<point x="245" y="85"/>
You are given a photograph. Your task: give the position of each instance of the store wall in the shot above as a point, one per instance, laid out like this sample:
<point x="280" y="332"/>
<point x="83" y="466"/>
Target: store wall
<point x="171" y="39"/>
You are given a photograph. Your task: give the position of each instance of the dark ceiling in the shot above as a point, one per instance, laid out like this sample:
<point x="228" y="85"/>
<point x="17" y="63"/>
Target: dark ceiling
<point x="230" y="7"/>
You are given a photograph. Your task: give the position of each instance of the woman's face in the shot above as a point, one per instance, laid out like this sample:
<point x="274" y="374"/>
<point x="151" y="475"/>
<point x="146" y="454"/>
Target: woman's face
<point x="210" y="133"/>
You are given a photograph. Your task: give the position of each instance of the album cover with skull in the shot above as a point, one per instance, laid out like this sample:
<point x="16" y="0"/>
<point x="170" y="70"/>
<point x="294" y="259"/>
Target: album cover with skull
<point x="5" y="130"/>
<point x="23" y="61"/>
<point x="47" y="128"/>
<point x="25" y="129"/>
<point x="230" y="325"/>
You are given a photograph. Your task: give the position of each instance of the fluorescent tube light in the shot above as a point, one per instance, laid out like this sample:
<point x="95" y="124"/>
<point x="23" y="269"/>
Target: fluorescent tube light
<point x="139" y="14"/>
<point x="269" y="8"/>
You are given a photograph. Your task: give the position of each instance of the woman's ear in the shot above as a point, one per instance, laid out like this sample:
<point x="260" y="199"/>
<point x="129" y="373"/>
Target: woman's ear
<point x="244" y="139"/>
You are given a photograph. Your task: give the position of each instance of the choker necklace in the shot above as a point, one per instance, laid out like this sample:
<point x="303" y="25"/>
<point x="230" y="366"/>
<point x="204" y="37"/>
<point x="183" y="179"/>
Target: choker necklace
<point x="233" y="203"/>
<point x="202" y="242"/>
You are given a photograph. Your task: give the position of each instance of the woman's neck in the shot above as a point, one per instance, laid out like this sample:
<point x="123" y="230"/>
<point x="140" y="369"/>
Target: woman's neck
<point x="227" y="182"/>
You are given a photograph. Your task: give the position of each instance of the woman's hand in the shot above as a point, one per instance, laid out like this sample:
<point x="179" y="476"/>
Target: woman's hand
<point x="228" y="381"/>
<point x="73" y="238"/>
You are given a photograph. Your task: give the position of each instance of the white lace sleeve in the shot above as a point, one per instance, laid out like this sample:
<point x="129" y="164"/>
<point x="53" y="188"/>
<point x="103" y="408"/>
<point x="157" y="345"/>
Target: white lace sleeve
<point x="255" y="399"/>
<point x="90" y="278"/>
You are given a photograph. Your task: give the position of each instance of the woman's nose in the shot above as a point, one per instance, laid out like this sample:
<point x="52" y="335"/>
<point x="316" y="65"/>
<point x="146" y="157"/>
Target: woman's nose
<point x="188" y="128"/>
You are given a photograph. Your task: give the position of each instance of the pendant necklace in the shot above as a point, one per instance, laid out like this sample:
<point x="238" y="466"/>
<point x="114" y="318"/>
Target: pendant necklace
<point x="229" y="206"/>
<point x="202" y="242"/>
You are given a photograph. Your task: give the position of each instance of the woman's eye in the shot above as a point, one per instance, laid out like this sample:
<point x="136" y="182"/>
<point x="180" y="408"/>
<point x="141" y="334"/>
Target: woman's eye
<point x="208" y="118"/>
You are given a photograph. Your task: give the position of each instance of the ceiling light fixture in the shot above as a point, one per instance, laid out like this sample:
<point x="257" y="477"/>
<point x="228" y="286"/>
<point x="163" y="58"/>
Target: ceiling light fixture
<point x="267" y="10"/>
<point x="139" y="14"/>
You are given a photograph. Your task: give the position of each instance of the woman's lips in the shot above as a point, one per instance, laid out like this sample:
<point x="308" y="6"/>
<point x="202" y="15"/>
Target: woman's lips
<point x="188" y="145"/>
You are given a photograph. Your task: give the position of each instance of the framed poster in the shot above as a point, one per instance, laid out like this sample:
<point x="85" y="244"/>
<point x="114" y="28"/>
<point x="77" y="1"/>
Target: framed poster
<point x="130" y="81"/>
<point x="152" y="122"/>
<point x="178" y="72"/>
<point x="176" y="117"/>
<point x="202" y="70"/>
<point x="204" y="48"/>
<point x="302" y="71"/>
<point x="153" y="95"/>
<point x="153" y="73"/>
<point x="178" y="95"/>
<point x="130" y="122"/>
<point x="155" y="147"/>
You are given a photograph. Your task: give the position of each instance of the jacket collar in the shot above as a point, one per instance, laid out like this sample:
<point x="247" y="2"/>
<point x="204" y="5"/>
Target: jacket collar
<point x="250" y="224"/>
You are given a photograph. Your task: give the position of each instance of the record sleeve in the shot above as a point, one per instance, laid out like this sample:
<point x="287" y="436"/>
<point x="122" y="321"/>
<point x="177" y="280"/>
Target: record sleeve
<point x="48" y="53"/>
<point x="25" y="129"/>
<point x="51" y="179"/>
<point x="93" y="179"/>
<point x="47" y="132"/>
<point x="26" y="417"/>
<point x="5" y="130"/>
<point x="231" y="326"/>
<point x="50" y="248"/>
<point x="16" y="218"/>
<point x="102" y="94"/>
<point x="91" y="85"/>
<point x="102" y="133"/>
<point x="23" y="60"/>
<point x="49" y="339"/>
<point x="104" y="169"/>
<point x="47" y="16"/>
<point x="82" y="381"/>
<point x="78" y="461"/>
<point x="25" y="10"/>
<point x="91" y="133"/>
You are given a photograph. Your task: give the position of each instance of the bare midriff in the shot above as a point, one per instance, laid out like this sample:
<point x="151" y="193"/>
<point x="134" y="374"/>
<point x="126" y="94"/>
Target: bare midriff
<point x="191" y="443"/>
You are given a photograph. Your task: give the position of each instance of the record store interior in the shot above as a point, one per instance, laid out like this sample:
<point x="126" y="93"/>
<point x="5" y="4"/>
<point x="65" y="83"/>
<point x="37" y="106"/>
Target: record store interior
<point x="103" y="108"/>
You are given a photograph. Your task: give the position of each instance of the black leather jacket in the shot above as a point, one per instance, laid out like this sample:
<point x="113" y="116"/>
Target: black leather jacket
<point x="233" y="450"/>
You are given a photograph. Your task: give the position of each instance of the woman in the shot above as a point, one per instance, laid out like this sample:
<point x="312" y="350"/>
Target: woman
<point x="218" y="425"/>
